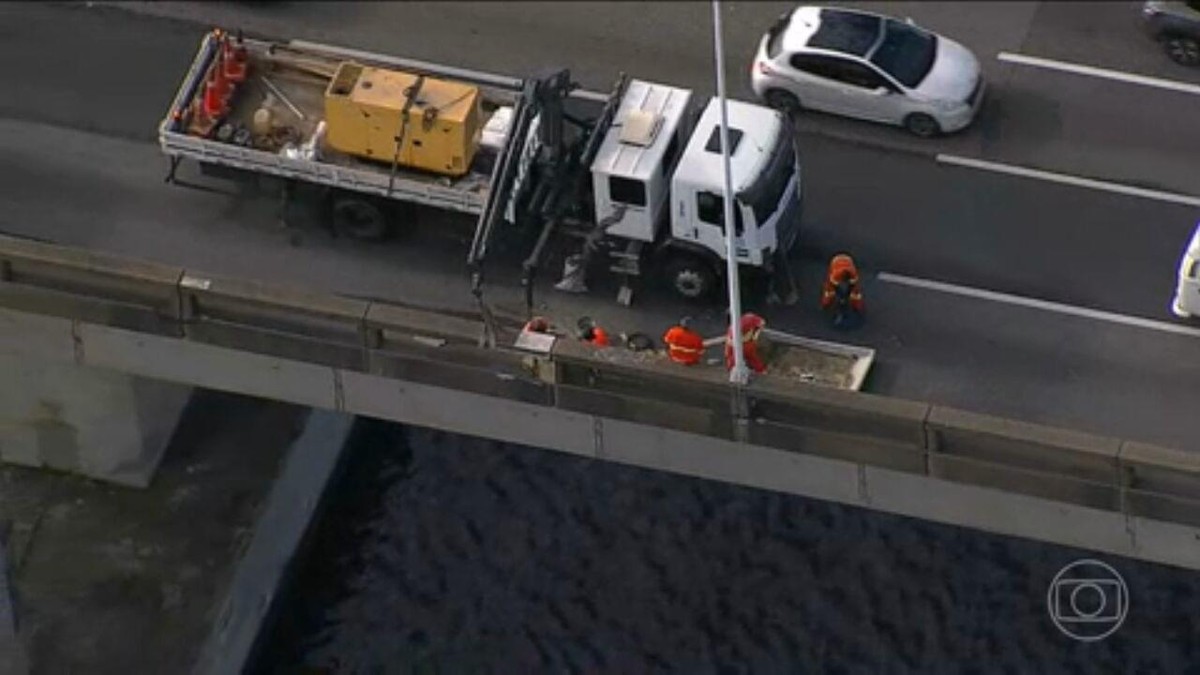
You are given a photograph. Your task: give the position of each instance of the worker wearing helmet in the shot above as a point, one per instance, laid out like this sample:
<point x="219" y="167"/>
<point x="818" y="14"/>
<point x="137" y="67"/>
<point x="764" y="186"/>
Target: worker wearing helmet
<point x="684" y="345"/>
<point x="538" y="324"/>
<point x="752" y="327"/>
<point x="843" y="290"/>
<point x="593" y="334"/>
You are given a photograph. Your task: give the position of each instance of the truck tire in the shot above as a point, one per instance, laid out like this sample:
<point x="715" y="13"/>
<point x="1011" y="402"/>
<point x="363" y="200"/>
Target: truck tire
<point x="361" y="218"/>
<point x="690" y="277"/>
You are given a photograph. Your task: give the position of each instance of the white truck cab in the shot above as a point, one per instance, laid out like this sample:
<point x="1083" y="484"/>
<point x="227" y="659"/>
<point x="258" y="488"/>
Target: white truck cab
<point x="653" y="159"/>
<point x="765" y="180"/>
<point x="1187" y="292"/>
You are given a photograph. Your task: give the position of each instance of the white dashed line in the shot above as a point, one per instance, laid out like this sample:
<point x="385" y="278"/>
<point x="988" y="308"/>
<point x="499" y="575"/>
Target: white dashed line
<point x="1067" y="179"/>
<point x="966" y="291"/>
<point x="1172" y="85"/>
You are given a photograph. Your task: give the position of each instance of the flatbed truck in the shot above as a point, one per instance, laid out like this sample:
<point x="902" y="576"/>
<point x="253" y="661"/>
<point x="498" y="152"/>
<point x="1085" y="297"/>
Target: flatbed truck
<point x="634" y="175"/>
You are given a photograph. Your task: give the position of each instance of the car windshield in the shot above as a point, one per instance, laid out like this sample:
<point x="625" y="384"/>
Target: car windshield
<point x="906" y="53"/>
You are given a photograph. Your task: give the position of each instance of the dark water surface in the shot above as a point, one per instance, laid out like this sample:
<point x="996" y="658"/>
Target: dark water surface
<point x="442" y="553"/>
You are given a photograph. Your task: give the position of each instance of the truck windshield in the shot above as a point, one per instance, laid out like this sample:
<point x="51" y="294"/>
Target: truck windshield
<point x="764" y="193"/>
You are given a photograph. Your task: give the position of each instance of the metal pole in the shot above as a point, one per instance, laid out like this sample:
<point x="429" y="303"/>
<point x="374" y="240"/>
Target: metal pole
<point x="739" y="374"/>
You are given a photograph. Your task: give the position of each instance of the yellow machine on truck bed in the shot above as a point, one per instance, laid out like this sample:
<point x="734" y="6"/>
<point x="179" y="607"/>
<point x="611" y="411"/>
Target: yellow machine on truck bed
<point x="438" y="122"/>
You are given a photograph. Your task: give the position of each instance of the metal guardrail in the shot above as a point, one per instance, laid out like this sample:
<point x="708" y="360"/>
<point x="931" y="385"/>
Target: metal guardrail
<point x="919" y="438"/>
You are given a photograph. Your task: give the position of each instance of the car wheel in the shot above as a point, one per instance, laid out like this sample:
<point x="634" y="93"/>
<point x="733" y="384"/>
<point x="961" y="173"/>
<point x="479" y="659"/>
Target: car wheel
<point x="920" y="124"/>
<point x="783" y="101"/>
<point x="1183" y="50"/>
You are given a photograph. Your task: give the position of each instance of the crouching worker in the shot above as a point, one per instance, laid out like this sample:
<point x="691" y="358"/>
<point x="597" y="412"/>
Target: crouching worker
<point x="593" y="334"/>
<point x="684" y="345"/>
<point x="752" y="326"/>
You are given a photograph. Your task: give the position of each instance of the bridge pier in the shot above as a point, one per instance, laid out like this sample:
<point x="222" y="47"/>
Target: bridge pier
<point x="95" y="422"/>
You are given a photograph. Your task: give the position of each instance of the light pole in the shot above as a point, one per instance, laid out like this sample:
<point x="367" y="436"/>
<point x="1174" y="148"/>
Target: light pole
<point x="739" y="374"/>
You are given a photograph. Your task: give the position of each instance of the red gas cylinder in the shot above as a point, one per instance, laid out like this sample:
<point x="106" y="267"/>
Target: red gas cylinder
<point x="234" y="60"/>
<point x="214" y="103"/>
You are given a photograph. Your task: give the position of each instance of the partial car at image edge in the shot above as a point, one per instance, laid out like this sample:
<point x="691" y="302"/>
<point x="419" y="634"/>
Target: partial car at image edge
<point x="1177" y="26"/>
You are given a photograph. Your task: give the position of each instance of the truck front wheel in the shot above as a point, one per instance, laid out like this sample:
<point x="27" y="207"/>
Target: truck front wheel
<point x="690" y="277"/>
<point x="361" y="219"/>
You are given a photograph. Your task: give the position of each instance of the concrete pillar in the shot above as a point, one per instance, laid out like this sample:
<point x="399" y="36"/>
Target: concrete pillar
<point x="98" y="423"/>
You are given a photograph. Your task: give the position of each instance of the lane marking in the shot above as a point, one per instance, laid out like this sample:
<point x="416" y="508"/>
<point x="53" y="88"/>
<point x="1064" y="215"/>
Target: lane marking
<point x="1033" y="303"/>
<point x="1120" y="76"/>
<point x="1067" y="179"/>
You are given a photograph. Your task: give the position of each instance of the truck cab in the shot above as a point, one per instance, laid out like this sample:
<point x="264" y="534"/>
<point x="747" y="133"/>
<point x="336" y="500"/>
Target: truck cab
<point x="660" y="168"/>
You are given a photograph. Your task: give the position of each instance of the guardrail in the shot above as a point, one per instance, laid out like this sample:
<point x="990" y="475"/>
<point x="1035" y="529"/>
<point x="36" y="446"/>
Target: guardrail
<point x="435" y="348"/>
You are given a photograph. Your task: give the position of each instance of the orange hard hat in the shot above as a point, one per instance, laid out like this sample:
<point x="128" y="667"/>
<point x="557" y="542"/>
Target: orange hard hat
<point x="752" y="322"/>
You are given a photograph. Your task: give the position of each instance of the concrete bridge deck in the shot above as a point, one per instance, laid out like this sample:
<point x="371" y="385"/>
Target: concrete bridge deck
<point x="101" y="315"/>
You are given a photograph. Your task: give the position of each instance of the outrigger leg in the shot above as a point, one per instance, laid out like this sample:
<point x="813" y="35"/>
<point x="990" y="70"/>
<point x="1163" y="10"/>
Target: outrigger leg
<point x="170" y="177"/>
<point x="783" y="284"/>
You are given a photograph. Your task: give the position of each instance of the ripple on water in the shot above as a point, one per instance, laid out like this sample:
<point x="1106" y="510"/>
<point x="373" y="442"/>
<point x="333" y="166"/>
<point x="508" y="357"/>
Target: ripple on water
<point x="463" y="555"/>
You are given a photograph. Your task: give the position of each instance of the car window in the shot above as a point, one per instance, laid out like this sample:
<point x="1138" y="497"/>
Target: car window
<point x="846" y="31"/>
<point x="906" y="53"/>
<point x="839" y="70"/>
<point x="859" y="75"/>
<point x="775" y="35"/>
<point x="814" y="64"/>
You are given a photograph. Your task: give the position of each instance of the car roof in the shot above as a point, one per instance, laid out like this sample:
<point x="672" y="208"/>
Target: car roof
<point x="832" y="29"/>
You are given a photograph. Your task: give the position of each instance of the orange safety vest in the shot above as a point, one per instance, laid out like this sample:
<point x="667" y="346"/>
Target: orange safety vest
<point x="749" y="344"/>
<point x="537" y="325"/>
<point x="841" y="268"/>
<point x="598" y="337"/>
<point x="684" y="345"/>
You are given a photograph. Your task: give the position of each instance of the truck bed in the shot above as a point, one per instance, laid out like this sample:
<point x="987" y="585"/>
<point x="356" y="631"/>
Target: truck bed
<point x="295" y="71"/>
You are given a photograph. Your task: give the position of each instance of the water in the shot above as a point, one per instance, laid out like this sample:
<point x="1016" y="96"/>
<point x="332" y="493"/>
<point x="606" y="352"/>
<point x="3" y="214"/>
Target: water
<point x="442" y="553"/>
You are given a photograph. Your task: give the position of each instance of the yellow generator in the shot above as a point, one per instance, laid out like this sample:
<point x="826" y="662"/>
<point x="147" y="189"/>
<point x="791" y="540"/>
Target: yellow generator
<point x="365" y="109"/>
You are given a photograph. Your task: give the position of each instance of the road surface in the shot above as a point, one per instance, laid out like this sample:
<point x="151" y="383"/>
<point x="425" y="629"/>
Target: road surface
<point x="81" y="167"/>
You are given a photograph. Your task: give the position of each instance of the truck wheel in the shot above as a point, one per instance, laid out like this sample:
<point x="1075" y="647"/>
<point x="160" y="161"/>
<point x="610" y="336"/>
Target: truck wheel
<point x="690" y="277"/>
<point x="360" y="219"/>
<point x="1183" y="50"/>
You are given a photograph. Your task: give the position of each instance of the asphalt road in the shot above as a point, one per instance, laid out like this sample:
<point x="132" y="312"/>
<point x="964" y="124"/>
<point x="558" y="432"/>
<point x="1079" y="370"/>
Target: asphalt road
<point x="80" y="166"/>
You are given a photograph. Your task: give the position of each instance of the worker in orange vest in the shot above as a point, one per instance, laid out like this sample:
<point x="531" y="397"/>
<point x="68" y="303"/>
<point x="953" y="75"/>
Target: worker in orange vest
<point x="842" y="294"/>
<point x="684" y="345"/>
<point x="593" y="334"/>
<point x="752" y="326"/>
<point x="538" y="324"/>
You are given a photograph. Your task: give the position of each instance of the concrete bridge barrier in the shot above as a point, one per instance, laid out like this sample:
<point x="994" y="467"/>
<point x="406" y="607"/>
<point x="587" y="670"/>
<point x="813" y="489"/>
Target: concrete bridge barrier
<point x="108" y="323"/>
<point x="1025" y="458"/>
<point x="78" y="284"/>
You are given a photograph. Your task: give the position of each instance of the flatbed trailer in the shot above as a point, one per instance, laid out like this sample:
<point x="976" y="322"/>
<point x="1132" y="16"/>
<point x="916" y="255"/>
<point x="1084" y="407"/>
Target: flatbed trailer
<point x="292" y="73"/>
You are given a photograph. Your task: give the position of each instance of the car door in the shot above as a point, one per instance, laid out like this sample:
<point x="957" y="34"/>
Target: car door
<point x="868" y="94"/>
<point x="817" y="84"/>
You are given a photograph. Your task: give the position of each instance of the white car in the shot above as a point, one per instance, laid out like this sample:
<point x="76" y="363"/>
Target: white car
<point x="869" y="66"/>
<point x="1187" y="292"/>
